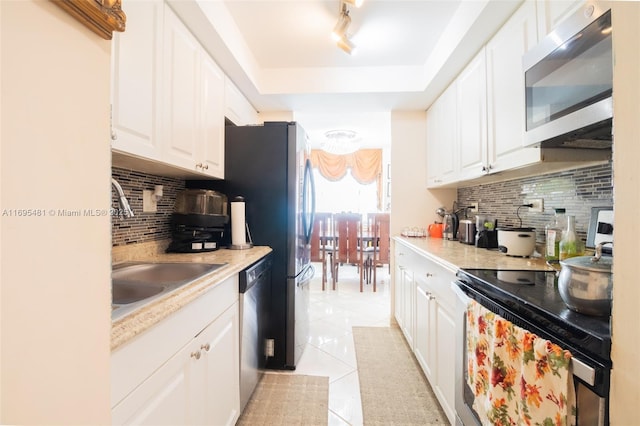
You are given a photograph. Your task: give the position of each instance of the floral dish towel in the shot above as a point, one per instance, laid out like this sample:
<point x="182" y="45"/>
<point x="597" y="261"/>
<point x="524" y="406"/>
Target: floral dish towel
<point x="517" y="377"/>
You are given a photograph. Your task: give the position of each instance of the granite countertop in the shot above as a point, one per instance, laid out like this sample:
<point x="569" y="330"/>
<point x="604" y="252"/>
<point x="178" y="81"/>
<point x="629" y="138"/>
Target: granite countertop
<point x="455" y="255"/>
<point x="130" y="325"/>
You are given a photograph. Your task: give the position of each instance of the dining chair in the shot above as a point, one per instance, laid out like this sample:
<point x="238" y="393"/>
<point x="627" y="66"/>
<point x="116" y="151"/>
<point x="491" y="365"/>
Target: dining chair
<point x="382" y="243"/>
<point x="348" y="227"/>
<point x="322" y="245"/>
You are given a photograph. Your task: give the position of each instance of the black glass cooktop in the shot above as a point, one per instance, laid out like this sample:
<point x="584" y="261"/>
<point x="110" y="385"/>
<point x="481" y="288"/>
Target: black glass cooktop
<point x="533" y="296"/>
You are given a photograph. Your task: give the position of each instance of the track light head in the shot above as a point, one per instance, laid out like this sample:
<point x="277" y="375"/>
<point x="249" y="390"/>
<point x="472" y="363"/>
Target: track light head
<point x="347" y="46"/>
<point x="356" y="3"/>
<point x="340" y="30"/>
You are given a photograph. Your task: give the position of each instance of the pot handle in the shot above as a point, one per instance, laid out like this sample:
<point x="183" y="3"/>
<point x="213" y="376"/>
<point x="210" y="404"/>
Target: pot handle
<point x="598" y="254"/>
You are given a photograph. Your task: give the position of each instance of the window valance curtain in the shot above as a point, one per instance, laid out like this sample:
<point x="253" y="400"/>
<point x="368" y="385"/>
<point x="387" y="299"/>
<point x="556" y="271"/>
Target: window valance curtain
<point x="365" y="165"/>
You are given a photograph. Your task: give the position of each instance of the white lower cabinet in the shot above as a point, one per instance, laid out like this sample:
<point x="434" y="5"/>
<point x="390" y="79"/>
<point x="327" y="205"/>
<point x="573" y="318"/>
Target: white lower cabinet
<point x="431" y="316"/>
<point x="198" y="384"/>
<point x="404" y="295"/>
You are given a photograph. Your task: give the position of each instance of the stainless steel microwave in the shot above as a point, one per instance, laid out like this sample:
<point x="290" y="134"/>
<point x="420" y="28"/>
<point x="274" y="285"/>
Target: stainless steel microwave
<point x="569" y="81"/>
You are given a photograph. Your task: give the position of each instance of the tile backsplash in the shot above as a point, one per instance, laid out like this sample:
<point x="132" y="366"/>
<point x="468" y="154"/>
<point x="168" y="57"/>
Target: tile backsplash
<point x="576" y="190"/>
<point x="143" y="227"/>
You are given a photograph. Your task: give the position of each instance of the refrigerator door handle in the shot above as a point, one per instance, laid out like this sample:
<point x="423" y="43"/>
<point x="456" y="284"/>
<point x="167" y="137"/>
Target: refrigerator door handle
<point x="306" y="276"/>
<point x="308" y="190"/>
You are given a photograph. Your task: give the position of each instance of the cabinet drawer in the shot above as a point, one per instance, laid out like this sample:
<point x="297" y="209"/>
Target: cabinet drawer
<point x="132" y="363"/>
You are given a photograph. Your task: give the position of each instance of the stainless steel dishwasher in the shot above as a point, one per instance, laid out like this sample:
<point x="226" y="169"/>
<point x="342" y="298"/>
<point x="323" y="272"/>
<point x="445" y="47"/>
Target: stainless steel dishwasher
<point x="255" y="291"/>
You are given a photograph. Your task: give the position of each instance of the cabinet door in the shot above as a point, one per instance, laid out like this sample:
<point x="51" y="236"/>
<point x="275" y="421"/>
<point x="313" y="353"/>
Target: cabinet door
<point x="219" y="369"/>
<point x="399" y="295"/>
<point x="445" y="347"/>
<point x="136" y="70"/>
<point x="211" y="156"/>
<point x="505" y="88"/>
<point x="236" y="107"/>
<point x="442" y="143"/>
<point x="409" y="306"/>
<point x="552" y="12"/>
<point x="164" y="398"/>
<point x="181" y="101"/>
<point x="424" y="336"/>
<point x="472" y="118"/>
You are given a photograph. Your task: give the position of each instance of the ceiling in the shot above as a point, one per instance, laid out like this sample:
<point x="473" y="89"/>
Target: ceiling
<point x="280" y="55"/>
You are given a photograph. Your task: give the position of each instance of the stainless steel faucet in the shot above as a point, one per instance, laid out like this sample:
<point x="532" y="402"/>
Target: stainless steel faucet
<point x="122" y="200"/>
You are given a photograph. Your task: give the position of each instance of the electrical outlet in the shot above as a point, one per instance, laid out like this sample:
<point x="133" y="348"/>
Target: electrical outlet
<point x="473" y="208"/>
<point x="538" y="205"/>
<point x="149" y="202"/>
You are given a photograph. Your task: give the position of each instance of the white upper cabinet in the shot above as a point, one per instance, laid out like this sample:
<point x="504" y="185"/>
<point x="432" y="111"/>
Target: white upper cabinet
<point x="237" y="108"/>
<point x="193" y="103"/>
<point x="181" y="59"/>
<point x="505" y="90"/>
<point x="168" y="97"/>
<point x="483" y="127"/>
<point x="136" y="79"/>
<point x="472" y="118"/>
<point x="552" y="12"/>
<point x="212" y="116"/>
<point x="442" y="145"/>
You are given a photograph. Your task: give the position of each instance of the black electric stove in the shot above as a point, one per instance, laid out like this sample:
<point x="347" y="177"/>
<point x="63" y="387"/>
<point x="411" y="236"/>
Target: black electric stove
<point x="531" y="299"/>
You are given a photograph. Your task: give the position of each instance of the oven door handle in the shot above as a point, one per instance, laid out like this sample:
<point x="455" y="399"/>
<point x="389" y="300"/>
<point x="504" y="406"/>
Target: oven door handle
<point x="583" y="371"/>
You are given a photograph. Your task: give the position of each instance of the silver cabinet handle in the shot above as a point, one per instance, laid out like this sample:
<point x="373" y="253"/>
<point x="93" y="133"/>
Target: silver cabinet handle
<point x="114" y="135"/>
<point x="205" y="347"/>
<point x="429" y="275"/>
<point x="195" y="355"/>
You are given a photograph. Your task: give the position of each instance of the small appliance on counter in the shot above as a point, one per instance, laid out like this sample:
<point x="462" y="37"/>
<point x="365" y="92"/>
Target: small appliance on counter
<point x="518" y="242"/>
<point x="451" y="222"/>
<point x="486" y="232"/>
<point x="467" y="232"/>
<point x="198" y="221"/>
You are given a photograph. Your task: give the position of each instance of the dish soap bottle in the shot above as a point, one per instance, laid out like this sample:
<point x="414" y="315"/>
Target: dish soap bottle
<point x="570" y="244"/>
<point x="553" y="235"/>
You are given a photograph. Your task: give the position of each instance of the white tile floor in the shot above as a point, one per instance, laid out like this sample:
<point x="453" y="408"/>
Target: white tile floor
<point x="330" y="350"/>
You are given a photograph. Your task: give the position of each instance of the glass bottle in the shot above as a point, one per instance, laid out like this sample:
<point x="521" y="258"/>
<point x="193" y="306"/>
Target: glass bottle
<point x="570" y="244"/>
<point x="553" y="234"/>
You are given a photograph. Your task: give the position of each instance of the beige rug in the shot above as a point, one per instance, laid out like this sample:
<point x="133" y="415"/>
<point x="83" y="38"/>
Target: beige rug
<point x="393" y="389"/>
<point x="288" y="399"/>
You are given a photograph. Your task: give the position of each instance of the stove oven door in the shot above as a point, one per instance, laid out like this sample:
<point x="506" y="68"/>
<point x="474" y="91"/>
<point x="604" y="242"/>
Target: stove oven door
<point x="465" y="415"/>
<point x="592" y="409"/>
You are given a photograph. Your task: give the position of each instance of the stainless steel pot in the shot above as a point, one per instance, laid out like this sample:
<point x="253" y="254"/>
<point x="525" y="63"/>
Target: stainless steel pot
<point x="586" y="283"/>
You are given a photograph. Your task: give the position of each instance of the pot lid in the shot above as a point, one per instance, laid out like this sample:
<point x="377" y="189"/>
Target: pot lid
<point x="604" y="264"/>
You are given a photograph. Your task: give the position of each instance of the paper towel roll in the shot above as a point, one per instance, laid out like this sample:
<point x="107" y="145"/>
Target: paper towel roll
<point x="238" y="233"/>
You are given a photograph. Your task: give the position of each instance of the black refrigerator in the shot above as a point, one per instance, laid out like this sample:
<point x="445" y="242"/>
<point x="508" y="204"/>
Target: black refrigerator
<point x="269" y="165"/>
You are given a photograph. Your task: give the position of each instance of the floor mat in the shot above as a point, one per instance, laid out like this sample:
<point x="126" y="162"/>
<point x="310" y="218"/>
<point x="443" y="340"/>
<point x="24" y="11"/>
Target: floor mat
<point x="288" y="399"/>
<point x="393" y="388"/>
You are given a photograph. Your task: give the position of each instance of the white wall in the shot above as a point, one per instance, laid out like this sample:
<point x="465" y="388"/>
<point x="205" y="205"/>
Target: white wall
<point x="55" y="278"/>
<point x="625" y="387"/>
<point x="411" y="203"/>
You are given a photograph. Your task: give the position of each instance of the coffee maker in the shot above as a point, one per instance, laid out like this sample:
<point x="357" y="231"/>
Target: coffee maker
<point x="199" y="221"/>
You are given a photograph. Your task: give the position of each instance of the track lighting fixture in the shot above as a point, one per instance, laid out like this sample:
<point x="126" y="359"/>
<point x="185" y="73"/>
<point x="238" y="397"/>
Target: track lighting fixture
<point x="339" y="33"/>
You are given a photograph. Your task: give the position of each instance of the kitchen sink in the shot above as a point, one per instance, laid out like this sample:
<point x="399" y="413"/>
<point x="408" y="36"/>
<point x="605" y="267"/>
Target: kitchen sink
<point x="135" y="284"/>
<point x="162" y="273"/>
<point x="124" y="293"/>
